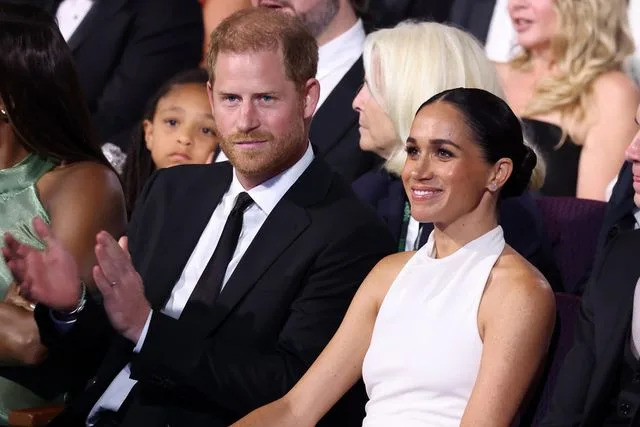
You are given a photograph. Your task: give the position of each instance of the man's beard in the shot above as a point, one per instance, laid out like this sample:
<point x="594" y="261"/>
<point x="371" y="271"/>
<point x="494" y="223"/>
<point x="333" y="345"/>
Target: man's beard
<point x="277" y="152"/>
<point x="319" y="17"/>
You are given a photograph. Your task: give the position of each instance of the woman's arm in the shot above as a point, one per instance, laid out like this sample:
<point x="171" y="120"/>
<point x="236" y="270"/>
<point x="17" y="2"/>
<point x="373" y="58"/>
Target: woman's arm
<point x="611" y="127"/>
<point x="81" y="200"/>
<point x="339" y="365"/>
<point x="516" y="319"/>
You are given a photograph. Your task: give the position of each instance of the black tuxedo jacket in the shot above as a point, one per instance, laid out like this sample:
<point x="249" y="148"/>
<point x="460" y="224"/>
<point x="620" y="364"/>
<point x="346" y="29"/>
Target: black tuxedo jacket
<point x="585" y="380"/>
<point x="125" y="49"/>
<point x="588" y="378"/>
<point x="277" y="311"/>
<point x="519" y="218"/>
<point x="334" y="128"/>
<point x="388" y="13"/>
<point x="474" y="16"/>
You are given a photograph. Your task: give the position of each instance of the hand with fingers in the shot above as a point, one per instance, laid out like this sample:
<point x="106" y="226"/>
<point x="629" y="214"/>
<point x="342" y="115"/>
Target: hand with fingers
<point x="49" y="277"/>
<point x="121" y="287"/>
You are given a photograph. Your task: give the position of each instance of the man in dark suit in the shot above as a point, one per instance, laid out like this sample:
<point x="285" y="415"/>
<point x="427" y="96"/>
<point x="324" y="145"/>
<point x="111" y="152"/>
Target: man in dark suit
<point x="340" y="35"/>
<point x="473" y="16"/>
<point x="388" y="13"/>
<point x="239" y="272"/>
<point x="599" y="383"/>
<point x="124" y="50"/>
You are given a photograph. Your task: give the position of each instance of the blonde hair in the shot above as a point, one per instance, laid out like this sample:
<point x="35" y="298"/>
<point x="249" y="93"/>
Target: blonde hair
<point x="593" y="37"/>
<point x="408" y="64"/>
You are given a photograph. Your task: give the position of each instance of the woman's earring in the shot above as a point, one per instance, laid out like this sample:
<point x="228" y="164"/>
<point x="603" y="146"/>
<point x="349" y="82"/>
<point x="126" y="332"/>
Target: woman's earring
<point x="3" y="115"/>
<point x="493" y="186"/>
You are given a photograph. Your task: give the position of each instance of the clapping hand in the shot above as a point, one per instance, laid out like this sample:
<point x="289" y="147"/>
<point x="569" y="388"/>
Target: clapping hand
<point x="121" y="286"/>
<point x="49" y="277"/>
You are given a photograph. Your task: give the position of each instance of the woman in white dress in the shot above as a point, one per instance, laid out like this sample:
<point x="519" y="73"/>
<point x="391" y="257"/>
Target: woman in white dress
<point x="454" y="333"/>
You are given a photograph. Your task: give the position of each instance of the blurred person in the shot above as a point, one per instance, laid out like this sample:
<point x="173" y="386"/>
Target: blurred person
<point x="453" y="334"/>
<point x="51" y="167"/>
<point x="398" y="77"/>
<point x="568" y="85"/>
<point x="177" y="129"/>
<point x="215" y="11"/>
<point x="597" y="384"/>
<point x="233" y="276"/>
<point x="124" y="50"/>
<point x="340" y="36"/>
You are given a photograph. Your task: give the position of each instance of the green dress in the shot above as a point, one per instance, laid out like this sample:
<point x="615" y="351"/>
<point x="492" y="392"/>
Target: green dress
<point x="19" y="204"/>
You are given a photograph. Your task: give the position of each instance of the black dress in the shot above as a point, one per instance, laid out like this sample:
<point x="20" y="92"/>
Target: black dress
<point x="562" y="161"/>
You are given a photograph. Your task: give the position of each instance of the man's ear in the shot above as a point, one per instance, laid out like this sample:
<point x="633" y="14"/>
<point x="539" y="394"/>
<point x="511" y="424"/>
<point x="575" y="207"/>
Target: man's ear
<point x="147" y="126"/>
<point x="501" y="172"/>
<point x="311" y="96"/>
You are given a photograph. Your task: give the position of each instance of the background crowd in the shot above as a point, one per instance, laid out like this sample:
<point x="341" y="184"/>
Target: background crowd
<point x="332" y="212"/>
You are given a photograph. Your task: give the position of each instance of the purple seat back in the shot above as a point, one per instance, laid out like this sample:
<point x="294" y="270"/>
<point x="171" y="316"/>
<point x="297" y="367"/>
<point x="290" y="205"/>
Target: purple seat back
<point x="567" y="309"/>
<point x="572" y="227"/>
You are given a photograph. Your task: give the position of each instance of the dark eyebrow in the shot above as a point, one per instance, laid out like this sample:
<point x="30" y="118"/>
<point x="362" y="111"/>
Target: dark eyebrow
<point x="436" y="141"/>
<point x="442" y="141"/>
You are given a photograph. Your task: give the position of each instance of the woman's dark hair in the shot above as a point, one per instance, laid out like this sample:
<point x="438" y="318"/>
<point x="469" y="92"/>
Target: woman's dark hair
<point x="496" y="130"/>
<point x="40" y="89"/>
<point x="139" y="166"/>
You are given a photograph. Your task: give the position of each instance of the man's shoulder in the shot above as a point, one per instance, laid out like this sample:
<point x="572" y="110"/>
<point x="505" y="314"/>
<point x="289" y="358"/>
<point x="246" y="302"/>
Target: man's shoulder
<point x="189" y="180"/>
<point x="336" y="204"/>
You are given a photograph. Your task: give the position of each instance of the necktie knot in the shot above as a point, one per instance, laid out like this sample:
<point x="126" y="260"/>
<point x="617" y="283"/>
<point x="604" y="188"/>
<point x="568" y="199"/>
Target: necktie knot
<point x="242" y="203"/>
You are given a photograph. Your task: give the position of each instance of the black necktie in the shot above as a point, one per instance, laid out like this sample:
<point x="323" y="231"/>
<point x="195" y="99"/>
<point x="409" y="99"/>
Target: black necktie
<point x="210" y="282"/>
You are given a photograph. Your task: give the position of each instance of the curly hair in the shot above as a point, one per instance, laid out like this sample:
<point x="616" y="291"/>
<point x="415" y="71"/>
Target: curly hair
<point x="593" y="37"/>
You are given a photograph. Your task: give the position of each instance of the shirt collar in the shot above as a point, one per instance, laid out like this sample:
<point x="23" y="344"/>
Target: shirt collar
<point x="267" y="195"/>
<point x="636" y="214"/>
<point x="341" y="49"/>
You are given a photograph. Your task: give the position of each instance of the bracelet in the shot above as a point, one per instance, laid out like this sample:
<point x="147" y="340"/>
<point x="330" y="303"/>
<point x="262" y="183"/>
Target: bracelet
<point x="69" y="316"/>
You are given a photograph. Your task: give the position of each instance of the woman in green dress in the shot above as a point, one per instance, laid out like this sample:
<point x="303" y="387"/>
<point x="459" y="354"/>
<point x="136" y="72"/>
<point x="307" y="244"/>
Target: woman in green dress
<point x="50" y="167"/>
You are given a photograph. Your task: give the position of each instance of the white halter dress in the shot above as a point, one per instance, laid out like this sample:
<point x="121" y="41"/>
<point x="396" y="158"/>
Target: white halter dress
<point x="425" y="350"/>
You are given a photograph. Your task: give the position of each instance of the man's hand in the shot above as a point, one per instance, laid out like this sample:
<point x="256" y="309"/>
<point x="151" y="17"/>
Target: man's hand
<point x="49" y="277"/>
<point x="121" y="287"/>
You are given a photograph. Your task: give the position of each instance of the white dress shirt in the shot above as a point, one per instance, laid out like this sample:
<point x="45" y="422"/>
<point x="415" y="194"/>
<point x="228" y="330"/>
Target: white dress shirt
<point x="502" y="40"/>
<point x="266" y="196"/>
<point x="336" y="57"/>
<point x="414" y="231"/>
<point x="70" y="14"/>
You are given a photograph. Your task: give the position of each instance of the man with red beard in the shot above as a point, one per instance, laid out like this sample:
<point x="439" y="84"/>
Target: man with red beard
<point x="340" y="35"/>
<point x="232" y="277"/>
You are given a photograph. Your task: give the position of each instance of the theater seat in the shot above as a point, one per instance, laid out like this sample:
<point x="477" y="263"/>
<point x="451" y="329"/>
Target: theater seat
<point x="572" y="227"/>
<point x="567" y="308"/>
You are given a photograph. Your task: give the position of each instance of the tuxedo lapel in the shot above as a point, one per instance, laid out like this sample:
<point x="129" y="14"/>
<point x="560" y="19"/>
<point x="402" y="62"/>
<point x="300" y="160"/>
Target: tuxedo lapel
<point x="281" y="228"/>
<point x="187" y="217"/>
<point x="335" y="117"/>
<point x="100" y="11"/>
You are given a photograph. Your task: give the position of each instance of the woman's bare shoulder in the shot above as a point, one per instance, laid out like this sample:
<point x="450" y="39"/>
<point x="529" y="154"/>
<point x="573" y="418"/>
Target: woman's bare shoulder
<point x="614" y="87"/>
<point x="514" y="282"/>
<point x="384" y="273"/>
<point x="84" y="183"/>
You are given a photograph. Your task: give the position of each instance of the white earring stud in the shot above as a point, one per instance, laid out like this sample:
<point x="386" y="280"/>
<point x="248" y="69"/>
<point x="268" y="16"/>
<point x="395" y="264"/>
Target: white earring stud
<point x="493" y="186"/>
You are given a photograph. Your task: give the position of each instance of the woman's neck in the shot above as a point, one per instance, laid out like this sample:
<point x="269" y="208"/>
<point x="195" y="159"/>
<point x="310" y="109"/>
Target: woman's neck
<point x="541" y="60"/>
<point x="11" y="152"/>
<point x="448" y="238"/>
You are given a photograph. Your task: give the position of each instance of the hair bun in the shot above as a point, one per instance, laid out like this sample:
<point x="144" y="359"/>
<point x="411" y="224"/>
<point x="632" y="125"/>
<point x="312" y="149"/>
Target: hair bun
<point x="521" y="175"/>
